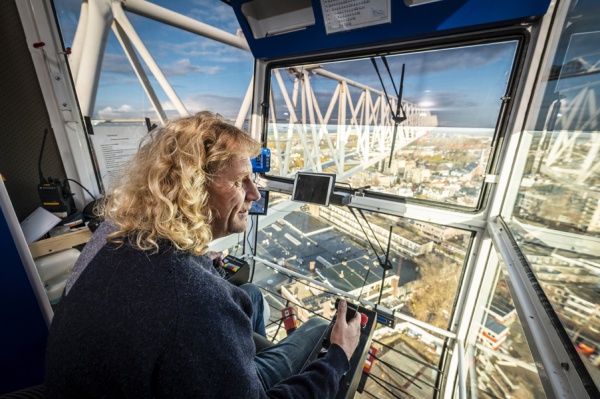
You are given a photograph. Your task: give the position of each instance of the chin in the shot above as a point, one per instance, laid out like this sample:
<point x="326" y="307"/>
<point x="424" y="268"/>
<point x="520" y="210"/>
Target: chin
<point x="239" y="228"/>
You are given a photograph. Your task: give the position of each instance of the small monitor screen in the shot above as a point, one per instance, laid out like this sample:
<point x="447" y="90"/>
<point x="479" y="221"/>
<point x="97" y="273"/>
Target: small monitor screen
<point x="260" y="207"/>
<point x="314" y="188"/>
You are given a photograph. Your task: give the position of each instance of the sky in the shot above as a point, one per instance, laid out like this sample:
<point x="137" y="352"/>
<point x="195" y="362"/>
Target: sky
<point x="462" y="86"/>
<point x="205" y="74"/>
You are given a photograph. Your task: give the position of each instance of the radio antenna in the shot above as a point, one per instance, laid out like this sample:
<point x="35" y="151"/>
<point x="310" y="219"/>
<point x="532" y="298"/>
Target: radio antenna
<point x="42" y="178"/>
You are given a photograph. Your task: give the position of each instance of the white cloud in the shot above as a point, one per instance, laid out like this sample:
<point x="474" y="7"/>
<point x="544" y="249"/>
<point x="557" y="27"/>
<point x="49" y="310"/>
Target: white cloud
<point x="206" y="49"/>
<point x="214" y="13"/>
<point x="185" y="67"/>
<point x="227" y="106"/>
<point x="124" y="111"/>
<point x="116" y="63"/>
<point x="125" y="108"/>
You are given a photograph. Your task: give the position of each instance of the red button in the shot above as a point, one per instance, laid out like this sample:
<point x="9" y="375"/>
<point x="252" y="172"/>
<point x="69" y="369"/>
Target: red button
<point x="363" y="319"/>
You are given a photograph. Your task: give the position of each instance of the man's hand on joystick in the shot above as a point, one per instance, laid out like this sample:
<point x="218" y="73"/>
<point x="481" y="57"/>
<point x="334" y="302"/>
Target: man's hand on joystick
<point x="346" y="333"/>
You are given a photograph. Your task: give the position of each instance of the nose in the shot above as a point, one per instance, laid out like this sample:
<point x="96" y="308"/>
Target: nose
<point x="252" y="193"/>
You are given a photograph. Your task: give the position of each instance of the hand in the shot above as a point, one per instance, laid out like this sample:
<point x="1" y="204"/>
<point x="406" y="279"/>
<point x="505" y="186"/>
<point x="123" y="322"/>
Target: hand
<point x="346" y="334"/>
<point x="216" y="257"/>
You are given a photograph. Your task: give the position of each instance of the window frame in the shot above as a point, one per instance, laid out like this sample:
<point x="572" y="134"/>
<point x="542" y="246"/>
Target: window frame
<point x="521" y="35"/>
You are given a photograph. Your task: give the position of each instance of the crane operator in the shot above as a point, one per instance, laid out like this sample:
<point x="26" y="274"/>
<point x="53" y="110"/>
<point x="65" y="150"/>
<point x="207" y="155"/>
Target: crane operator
<point x="146" y="315"/>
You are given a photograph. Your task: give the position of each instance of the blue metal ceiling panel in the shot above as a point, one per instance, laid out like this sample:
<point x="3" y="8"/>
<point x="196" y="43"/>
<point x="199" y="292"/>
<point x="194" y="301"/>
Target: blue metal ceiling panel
<point x="407" y="23"/>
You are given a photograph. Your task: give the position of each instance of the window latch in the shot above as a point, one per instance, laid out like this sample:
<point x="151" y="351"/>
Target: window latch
<point x="493" y="179"/>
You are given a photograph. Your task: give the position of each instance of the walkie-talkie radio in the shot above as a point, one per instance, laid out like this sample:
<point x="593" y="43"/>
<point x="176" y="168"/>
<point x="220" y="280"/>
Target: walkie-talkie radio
<point x="55" y="195"/>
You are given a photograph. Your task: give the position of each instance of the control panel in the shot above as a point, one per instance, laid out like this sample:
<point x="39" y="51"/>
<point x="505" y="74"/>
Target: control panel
<point x="234" y="270"/>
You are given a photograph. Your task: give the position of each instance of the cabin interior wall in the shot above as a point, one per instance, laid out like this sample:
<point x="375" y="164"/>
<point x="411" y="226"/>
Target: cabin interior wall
<point x="24" y="118"/>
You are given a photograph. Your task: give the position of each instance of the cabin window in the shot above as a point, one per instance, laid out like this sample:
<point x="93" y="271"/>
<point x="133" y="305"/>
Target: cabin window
<point x="343" y="117"/>
<point x="500" y="360"/>
<point x="555" y="218"/>
<point x="329" y="245"/>
<point x="149" y="72"/>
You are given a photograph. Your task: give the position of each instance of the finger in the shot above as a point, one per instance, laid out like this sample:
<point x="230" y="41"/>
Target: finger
<point x="342" y="308"/>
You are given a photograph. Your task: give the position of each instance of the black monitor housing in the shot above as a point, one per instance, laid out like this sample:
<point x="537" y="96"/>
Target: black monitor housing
<point x="260" y="206"/>
<point x="313" y="188"/>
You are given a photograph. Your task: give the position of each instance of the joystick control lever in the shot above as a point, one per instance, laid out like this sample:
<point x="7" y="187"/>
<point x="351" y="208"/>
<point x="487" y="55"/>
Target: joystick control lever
<point x="368" y="320"/>
<point x="351" y="310"/>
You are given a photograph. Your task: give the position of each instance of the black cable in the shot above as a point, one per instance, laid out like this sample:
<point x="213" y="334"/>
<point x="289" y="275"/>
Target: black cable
<point x="390" y="74"/>
<point x="295" y="304"/>
<point x="237" y="246"/>
<point x="369" y="393"/>
<point x="365" y="233"/>
<point x="287" y="304"/>
<point x="420" y="361"/>
<point x="42" y="178"/>
<point x="395" y="115"/>
<point x="300" y="281"/>
<point x="399" y="106"/>
<point x="86" y="190"/>
<point x="387" y="264"/>
<point x="364" y="283"/>
<point x="377" y="379"/>
<point x="275" y="321"/>
<point x="383" y="86"/>
<point x="404" y="373"/>
<point x="395" y="369"/>
<point x="374" y="235"/>
<point x="391" y="385"/>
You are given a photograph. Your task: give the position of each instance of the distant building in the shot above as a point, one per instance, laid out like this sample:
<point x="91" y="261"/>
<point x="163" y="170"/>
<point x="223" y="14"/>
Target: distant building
<point x="590" y="215"/>
<point x="417" y="175"/>
<point x="492" y="334"/>
<point x="472" y="171"/>
<point x="458" y="250"/>
<point x="502" y="313"/>
<point x="437" y="193"/>
<point x="530" y="201"/>
<point x="405" y="242"/>
<point x="581" y="306"/>
<point x="438" y="232"/>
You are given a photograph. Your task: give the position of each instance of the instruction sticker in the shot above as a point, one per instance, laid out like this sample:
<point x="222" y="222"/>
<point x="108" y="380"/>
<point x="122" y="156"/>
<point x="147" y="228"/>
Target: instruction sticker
<point x="345" y="15"/>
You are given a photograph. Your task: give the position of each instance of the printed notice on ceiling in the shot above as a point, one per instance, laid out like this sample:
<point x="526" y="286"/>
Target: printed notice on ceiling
<point x="345" y="15"/>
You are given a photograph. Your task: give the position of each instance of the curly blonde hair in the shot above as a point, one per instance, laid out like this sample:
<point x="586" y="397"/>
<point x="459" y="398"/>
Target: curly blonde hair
<point x="162" y="193"/>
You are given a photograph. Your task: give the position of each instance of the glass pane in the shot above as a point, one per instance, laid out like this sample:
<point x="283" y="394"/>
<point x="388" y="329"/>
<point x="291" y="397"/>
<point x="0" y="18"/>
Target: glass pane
<point x="205" y="74"/>
<point x="501" y="362"/>
<point x="328" y="245"/>
<point x="335" y="117"/>
<point x="556" y="216"/>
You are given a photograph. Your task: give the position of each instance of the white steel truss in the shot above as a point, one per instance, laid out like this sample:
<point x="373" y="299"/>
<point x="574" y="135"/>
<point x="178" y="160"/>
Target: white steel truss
<point x="572" y="155"/>
<point x="363" y="133"/>
<point x="365" y="130"/>
<point x="90" y="39"/>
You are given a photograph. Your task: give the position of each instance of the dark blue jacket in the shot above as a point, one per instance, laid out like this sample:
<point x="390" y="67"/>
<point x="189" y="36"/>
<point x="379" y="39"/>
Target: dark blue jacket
<point x="164" y="325"/>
